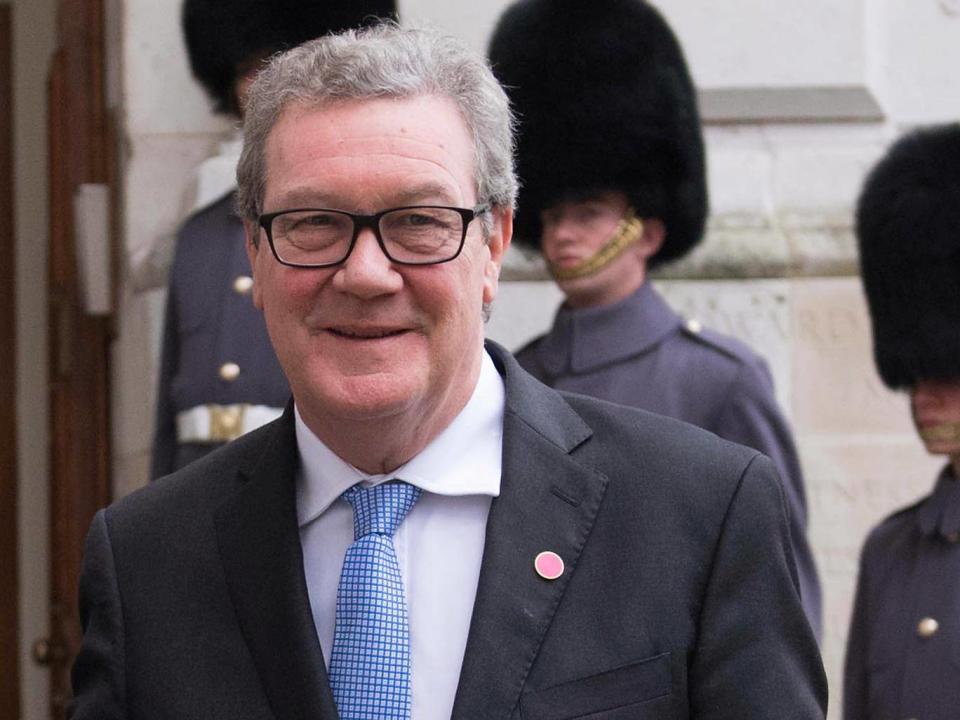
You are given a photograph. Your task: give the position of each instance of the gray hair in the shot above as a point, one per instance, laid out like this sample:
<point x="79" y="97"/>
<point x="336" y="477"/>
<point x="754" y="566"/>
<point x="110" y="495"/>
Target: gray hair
<point x="382" y="61"/>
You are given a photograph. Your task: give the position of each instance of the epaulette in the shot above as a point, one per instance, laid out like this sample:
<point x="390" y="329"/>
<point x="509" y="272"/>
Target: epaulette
<point x="725" y="344"/>
<point x="903" y="511"/>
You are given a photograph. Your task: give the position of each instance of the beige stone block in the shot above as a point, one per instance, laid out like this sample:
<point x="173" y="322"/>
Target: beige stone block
<point x="159" y="187"/>
<point x="160" y="95"/>
<point x="472" y="22"/>
<point x="821" y="243"/>
<point x="836" y="387"/>
<point x="523" y="263"/>
<point x="734" y="156"/>
<point x="134" y="364"/>
<point x="522" y="311"/>
<point x="920" y="59"/>
<point x="130" y="472"/>
<point x="817" y="167"/>
<point x="737" y="245"/>
<point x="785" y="243"/>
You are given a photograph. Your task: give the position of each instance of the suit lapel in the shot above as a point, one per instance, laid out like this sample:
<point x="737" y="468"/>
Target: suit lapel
<point x="260" y="548"/>
<point x="547" y="502"/>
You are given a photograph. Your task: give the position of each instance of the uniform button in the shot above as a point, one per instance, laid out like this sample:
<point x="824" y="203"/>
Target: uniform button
<point x="927" y="627"/>
<point x="242" y="284"/>
<point x="229" y="371"/>
<point x="694" y="326"/>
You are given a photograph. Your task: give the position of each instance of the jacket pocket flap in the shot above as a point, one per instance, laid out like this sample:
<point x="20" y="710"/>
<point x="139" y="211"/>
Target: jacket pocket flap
<point x="634" y="683"/>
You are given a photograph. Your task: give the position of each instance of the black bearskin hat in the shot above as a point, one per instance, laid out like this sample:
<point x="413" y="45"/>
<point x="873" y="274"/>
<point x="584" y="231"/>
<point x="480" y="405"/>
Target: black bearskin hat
<point x="604" y="102"/>
<point x="908" y="229"/>
<point x="222" y="35"/>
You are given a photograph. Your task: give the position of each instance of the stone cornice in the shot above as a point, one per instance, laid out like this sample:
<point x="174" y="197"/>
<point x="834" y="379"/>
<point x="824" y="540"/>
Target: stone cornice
<point x="789" y="244"/>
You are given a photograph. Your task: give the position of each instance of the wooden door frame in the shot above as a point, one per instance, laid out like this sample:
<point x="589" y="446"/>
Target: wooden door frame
<point x="82" y="149"/>
<point x="9" y="568"/>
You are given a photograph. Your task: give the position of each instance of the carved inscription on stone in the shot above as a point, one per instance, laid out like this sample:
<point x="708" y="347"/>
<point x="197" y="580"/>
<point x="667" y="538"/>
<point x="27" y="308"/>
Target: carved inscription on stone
<point x="753" y="311"/>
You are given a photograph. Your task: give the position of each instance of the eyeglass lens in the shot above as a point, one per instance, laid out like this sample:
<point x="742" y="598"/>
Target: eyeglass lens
<point x="414" y="235"/>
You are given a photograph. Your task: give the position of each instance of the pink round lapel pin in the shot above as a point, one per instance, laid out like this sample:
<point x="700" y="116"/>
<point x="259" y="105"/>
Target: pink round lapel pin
<point x="548" y="565"/>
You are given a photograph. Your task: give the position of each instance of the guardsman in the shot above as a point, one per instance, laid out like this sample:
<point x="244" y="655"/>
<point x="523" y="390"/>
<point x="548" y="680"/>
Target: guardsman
<point x="611" y="160"/>
<point x="903" y="652"/>
<point x="219" y="377"/>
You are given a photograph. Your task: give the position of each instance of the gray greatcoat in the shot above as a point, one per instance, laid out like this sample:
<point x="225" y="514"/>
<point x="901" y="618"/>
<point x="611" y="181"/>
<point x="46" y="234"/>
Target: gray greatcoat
<point x="903" y="652"/>
<point x="208" y="323"/>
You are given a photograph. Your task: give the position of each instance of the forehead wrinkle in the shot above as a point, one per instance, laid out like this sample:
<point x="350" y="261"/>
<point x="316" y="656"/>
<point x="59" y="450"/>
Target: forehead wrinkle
<point x="337" y="145"/>
<point x="343" y="155"/>
<point x="307" y="197"/>
<point x="387" y="156"/>
<point x="378" y="151"/>
<point x="446" y="188"/>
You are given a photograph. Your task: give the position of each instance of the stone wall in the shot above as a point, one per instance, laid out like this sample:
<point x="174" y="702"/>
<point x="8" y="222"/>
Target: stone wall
<point x="800" y="100"/>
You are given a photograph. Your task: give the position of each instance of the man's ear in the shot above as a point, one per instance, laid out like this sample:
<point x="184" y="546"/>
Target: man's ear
<point x="650" y="242"/>
<point x="498" y="242"/>
<point x="254" y="247"/>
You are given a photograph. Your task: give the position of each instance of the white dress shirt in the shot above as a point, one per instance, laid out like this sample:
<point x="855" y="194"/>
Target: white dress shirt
<point x="439" y="544"/>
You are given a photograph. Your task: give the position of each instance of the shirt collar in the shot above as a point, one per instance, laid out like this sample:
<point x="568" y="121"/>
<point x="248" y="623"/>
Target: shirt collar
<point x="464" y="459"/>
<point x="586" y="338"/>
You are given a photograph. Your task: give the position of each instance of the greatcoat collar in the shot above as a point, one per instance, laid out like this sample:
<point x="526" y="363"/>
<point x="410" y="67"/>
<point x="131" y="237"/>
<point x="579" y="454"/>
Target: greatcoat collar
<point x="940" y="512"/>
<point x="588" y="338"/>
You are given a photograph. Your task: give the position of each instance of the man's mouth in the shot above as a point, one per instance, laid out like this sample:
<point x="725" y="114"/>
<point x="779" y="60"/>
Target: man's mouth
<point x="566" y="260"/>
<point x="939" y="432"/>
<point x="366" y="333"/>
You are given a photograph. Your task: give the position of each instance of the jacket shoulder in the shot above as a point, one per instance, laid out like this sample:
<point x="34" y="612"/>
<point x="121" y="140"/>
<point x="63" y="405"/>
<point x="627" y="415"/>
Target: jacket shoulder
<point x="718" y="344"/>
<point x="525" y="354"/>
<point x="222" y="207"/>
<point x="211" y="221"/>
<point x="632" y="440"/>
<point x="196" y="489"/>
<point x="892" y="530"/>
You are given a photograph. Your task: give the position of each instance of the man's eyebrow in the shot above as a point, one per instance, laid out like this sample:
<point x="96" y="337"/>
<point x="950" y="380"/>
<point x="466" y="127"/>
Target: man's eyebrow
<point x="425" y="194"/>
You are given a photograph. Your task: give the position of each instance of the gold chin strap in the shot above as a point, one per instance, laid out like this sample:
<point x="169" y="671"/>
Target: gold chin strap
<point x="627" y="233"/>
<point x="945" y="432"/>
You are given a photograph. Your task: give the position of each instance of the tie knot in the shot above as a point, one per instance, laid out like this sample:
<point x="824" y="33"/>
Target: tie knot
<point x="380" y="509"/>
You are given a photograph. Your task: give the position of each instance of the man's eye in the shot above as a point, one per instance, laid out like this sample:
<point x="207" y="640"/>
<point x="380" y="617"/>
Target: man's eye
<point x="550" y="217"/>
<point x="422" y="219"/>
<point x="317" y="220"/>
<point x="588" y="212"/>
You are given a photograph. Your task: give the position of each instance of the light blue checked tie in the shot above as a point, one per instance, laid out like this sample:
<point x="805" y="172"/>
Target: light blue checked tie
<point x="370" y="661"/>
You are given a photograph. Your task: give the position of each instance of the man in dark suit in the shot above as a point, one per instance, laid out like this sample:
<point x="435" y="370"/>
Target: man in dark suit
<point x="611" y="159"/>
<point x="429" y="532"/>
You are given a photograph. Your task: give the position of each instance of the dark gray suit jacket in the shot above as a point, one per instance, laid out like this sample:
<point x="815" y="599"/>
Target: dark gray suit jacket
<point x="641" y="353"/>
<point x="679" y="599"/>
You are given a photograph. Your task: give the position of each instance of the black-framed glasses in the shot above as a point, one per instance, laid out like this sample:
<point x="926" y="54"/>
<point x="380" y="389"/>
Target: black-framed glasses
<point x="410" y="235"/>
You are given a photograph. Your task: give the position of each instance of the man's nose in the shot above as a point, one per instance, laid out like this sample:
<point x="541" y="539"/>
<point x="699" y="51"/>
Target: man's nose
<point x="367" y="272"/>
<point x="561" y="228"/>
